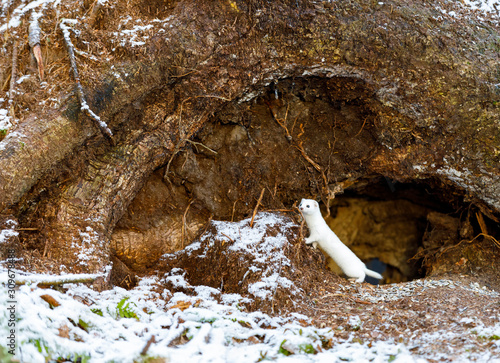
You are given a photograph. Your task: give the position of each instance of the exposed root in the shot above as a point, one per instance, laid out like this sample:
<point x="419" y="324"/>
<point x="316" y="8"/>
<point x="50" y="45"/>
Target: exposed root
<point x="257" y="206"/>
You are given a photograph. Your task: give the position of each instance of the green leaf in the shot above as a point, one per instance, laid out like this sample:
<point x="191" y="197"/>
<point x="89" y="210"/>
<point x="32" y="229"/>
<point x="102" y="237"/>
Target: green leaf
<point x="284" y="351"/>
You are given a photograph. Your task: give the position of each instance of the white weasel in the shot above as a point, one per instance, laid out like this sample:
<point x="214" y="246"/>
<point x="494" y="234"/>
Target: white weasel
<point x="352" y="266"/>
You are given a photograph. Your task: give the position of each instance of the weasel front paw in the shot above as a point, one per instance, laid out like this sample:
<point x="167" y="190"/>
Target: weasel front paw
<point x="309" y="240"/>
<point x="312" y="241"/>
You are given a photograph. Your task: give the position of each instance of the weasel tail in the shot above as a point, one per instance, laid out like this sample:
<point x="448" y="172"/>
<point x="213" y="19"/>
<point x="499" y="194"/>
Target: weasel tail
<point x="373" y="274"/>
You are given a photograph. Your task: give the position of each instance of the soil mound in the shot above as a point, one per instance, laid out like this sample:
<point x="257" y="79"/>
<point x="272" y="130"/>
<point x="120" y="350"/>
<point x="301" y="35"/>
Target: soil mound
<point x="266" y="263"/>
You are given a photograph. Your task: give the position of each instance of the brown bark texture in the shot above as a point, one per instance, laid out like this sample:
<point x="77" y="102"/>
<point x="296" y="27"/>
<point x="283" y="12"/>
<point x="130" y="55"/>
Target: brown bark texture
<point x="429" y="83"/>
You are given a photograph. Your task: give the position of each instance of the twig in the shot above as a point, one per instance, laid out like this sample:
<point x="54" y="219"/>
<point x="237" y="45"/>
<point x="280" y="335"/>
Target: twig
<point x="148" y="344"/>
<point x="13" y="78"/>
<point x="200" y="144"/>
<point x="362" y="126"/>
<point x="62" y="281"/>
<point x="281" y="122"/>
<point x="50" y="300"/>
<point x="45" y="248"/>
<point x="201" y="96"/>
<point x="103" y="127"/>
<point x="481" y="222"/>
<point x="183" y="229"/>
<point x="234" y="207"/>
<point x="484" y="235"/>
<point x="225" y="235"/>
<point x="167" y="169"/>
<point x="311" y="161"/>
<point x="280" y="210"/>
<point x="276" y="289"/>
<point x="257" y="207"/>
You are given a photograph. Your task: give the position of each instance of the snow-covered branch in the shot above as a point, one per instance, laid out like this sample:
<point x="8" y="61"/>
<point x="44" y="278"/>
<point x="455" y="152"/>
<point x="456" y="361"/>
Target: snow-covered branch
<point x="79" y="90"/>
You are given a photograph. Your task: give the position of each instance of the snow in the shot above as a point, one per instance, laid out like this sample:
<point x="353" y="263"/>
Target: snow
<point x="264" y="250"/>
<point x="20" y="11"/>
<point x="216" y="328"/>
<point x="5" y="234"/>
<point x="489" y="6"/>
<point x="5" y="119"/>
<point x="213" y="330"/>
<point x="205" y="326"/>
<point x="137" y="35"/>
<point x="210" y="325"/>
<point x="483" y="9"/>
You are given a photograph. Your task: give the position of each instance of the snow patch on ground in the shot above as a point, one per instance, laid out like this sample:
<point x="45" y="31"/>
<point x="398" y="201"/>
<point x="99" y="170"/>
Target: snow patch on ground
<point x="5" y="234"/>
<point x="5" y="121"/>
<point x="264" y="249"/>
<point x="116" y="325"/>
<point x="490" y="6"/>
<point x="206" y="326"/>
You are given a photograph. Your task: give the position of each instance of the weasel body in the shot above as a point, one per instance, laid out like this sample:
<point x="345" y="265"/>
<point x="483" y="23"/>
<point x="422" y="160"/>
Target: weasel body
<point x="321" y="234"/>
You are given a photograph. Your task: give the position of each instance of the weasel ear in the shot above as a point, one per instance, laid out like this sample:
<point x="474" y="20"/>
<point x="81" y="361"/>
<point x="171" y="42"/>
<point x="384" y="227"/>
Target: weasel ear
<point x="316" y="204"/>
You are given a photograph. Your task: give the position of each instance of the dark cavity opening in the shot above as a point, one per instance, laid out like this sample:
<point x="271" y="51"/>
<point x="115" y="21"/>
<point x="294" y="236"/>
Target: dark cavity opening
<point x="396" y="227"/>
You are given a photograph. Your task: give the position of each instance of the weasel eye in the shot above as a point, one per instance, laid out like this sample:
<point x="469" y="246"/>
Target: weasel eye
<point x="307" y="206"/>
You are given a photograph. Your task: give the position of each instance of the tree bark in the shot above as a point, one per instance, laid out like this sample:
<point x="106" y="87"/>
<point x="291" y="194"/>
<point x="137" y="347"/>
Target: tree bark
<point x="430" y="83"/>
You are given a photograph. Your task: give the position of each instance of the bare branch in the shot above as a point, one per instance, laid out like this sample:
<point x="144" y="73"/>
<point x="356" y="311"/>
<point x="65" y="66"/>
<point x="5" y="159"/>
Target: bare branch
<point x="257" y="207"/>
<point x="79" y="90"/>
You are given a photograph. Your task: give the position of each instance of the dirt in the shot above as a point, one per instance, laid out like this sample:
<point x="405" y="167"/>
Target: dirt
<point x="291" y="144"/>
<point x="364" y="128"/>
<point x="436" y="313"/>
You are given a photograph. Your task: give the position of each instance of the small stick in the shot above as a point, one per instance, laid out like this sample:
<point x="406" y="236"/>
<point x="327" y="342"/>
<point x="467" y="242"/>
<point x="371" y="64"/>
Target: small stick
<point x="184" y="229"/>
<point x="13" y="79"/>
<point x="79" y="89"/>
<point x="148" y="344"/>
<point x="362" y="126"/>
<point x="481" y="222"/>
<point x="200" y="144"/>
<point x="276" y="289"/>
<point x="63" y="281"/>
<point x="225" y="235"/>
<point x="311" y="161"/>
<point x="257" y="207"/>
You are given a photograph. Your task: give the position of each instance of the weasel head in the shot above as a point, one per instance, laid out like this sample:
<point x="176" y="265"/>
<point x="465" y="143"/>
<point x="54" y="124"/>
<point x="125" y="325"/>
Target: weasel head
<point x="308" y="207"/>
